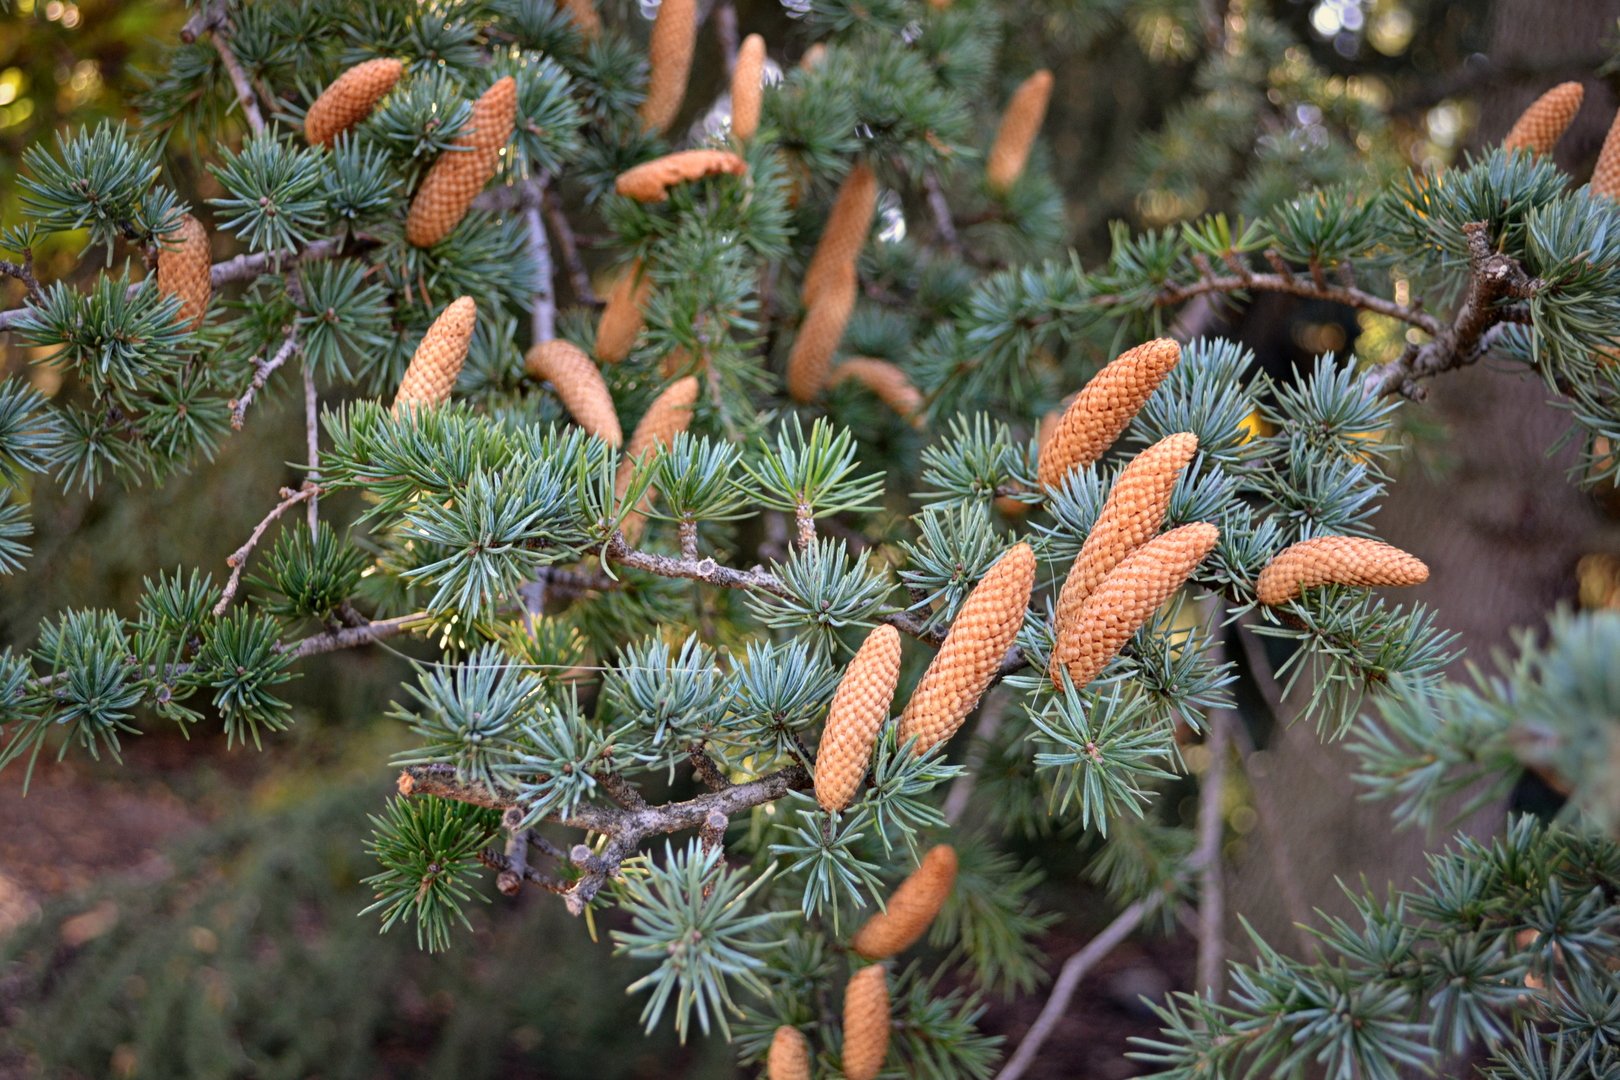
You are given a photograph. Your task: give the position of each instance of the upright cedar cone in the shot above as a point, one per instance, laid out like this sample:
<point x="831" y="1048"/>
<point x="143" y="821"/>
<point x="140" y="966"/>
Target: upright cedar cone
<point x="1104" y="408"/>
<point x="1131" y="516"/>
<point x="669" y="62"/>
<point x="790" y="1055"/>
<point x="184" y="267"/>
<point x="621" y="318"/>
<point x="1544" y="122"/>
<point x="460" y="173"/>
<point x="650" y="181"/>
<point x="666" y="417"/>
<point x="844" y="234"/>
<point x="1336" y="560"/>
<point x="582" y="13"/>
<point x="813" y="56"/>
<point x="1128" y="597"/>
<point x="866" y="1023"/>
<point x="911" y="908"/>
<point x="349" y="99"/>
<point x="819" y="335"/>
<point x="971" y="655"/>
<point x="887" y="381"/>
<point x="1606" y="175"/>
<point x="1016" y="136"/>
<point x="859" y="707"/>
<point x="579" y="386"/>
<point x="439" y="357"/>
<point x="747" y="87"/>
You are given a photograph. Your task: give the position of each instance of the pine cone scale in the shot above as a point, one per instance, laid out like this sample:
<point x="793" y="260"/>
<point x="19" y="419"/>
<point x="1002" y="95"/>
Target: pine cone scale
<point x="866" y="1023"/>
<point x="459" y="174"/>
<point x="911" y="909"/>
<point x="1127" y="598"/>
<point x="579" y="385"/>
<point x="349" y="99"/>
<point x="860" y="705"/>
<point x="972" y="652"/>
<point x="1336" y="560"/>
<point x="1104" y="408"/>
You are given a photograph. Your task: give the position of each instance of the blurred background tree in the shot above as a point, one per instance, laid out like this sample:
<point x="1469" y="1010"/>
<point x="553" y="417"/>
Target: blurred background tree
<point x="232" y="913"/>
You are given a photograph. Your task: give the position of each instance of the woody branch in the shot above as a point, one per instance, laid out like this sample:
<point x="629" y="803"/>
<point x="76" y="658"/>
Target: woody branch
<point x="624" y="826"/>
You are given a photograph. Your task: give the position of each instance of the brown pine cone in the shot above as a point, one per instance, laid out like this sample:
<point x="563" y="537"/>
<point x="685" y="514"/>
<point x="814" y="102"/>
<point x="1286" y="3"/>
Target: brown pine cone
<point x="859" y="707"/>
<point x="349" y="99"/>
<point x="1131" y="516"/>
<point x="1020" y="124"/>
<point x="1606" y="175"/>
<point x="669" y="62"/>
<point x="1104" y="408"/>
<point x="184" y="268"/>
<point x="582" y="13"/>
<point x="790" y="1055"/>
<point x="819" y="335"/>
<point x="439" y="356"/>
<point x="1336" y="560"/>
<point x="961" y="671"/>
<point x="668" y="415"/>
<point x="1128" y="597"/>
<point x="1540" y="127"/>
<point x="747" y="87"/>
<point x="460" y="173"/>
<point x="888" y="381"/>
<point x="621" y="320"/>
<point x="866" y="1023"/>
<point x="911" y="909"/>
<point x="844" y="234"/>
<point x="579" y="387"/>
<point x="650" y="181"/>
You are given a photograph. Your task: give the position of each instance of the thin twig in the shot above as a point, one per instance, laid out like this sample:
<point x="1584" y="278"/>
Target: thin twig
<point x="543" y="305"/>
<point x="1207" y="857"/>
<point x="238" y="558"/>
<point x="619" y="789"/>
<point x="804" y="520"/>
<point x="941" y="211"/>
<point x="711" y="572"/>
<point x="312" y="444"/>
<point x="251" y="265"/>
<point x="578" y="278"/>
<point x="725" y="28"/>
<point x="961" y="792"/>
<point x="707" y="771"/>
<point x="23" y="272"/>
<point x="1492" y="277"/>
<point x="246" y="267"/>
<point x="544" y="846"/>
<point x="511" y="872"/>
<point x="509" y="881"/>
<point x="202" y="20"/>
<point x="624" y="826"/>
<point x="262" y="370"/>
<point x="351" y="636"/>
<point x="1284" y="283"/>
<point x="1074" y="969"/>
<point x="239" y="80"/>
